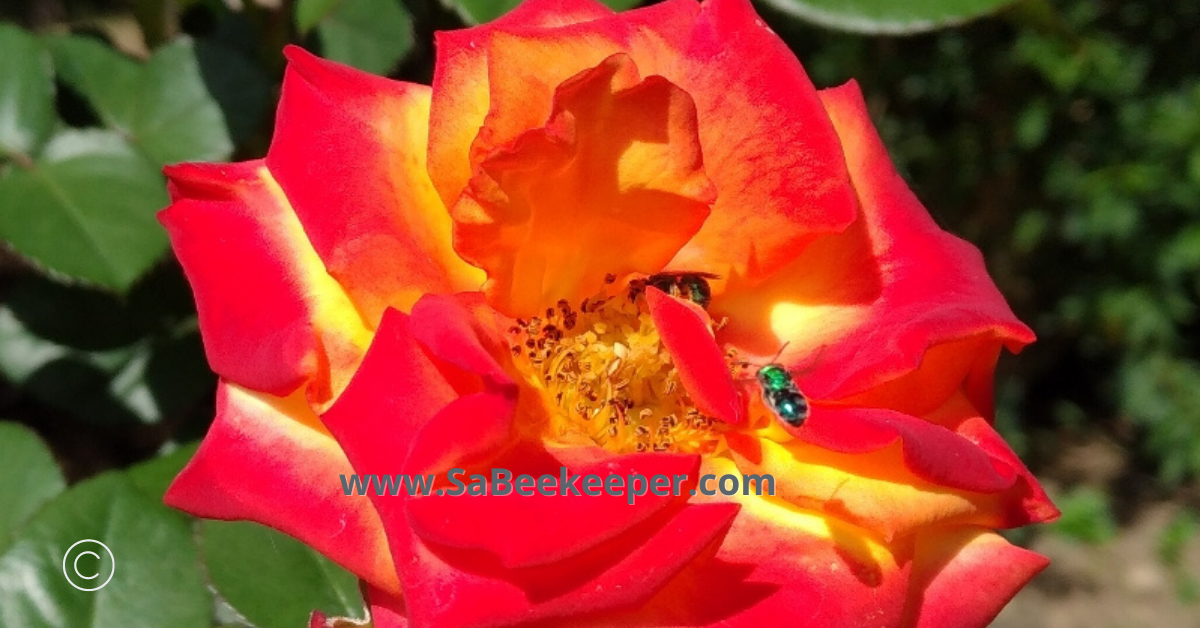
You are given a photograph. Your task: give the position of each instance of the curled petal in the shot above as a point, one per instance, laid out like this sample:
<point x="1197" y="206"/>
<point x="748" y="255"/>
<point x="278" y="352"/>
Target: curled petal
<point x="246" y="469"/>
<point x="349" y="151"/>
<point x="613" y="184"/>
<point x="458" y="330"/>
<point x="439" y="446"/>
<point x="1027" y="502"/>
<point x="945" y="369"/>
<point x="896" y="475"/>
<point x="271" y="318"/>
<point x="931" y="451"/>
<point x="399" y="388"/>
<point x="874" y="491"/>
<point x="460" y="85"/>
<point x="417" y="408"/>
<point x="526" y="65"/>
<point x="962" y="578"/>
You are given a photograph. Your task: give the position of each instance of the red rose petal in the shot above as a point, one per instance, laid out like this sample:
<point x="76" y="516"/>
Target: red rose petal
<point x="964" y="577"/>
<point x="931" y="451"/>
<point x="768" y="146"/>
<point x="271" y="318"/>
<point x="535" y="530"/>
<point x="457" y="591"/>
<point x="697" y="358"/>
<point x="349" y="151"/>
<point x="246" y="469"/>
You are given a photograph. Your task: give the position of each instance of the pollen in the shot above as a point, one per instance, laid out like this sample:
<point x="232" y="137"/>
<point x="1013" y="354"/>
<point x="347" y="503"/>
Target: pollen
<point x="606" y="376"/>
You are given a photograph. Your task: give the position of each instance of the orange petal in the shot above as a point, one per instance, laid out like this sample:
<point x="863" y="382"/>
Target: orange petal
<point x="270" y="316"/>
<point x="875" y="491"/>
<point x="460" y="85"/>
<point x="882" y="491"/>
<point x="349" y="151"/>
<point x="246" y="469"/>
<point x="613" y="184"/>
<point x="526" y="65"/>
<point x="781" y="566"/>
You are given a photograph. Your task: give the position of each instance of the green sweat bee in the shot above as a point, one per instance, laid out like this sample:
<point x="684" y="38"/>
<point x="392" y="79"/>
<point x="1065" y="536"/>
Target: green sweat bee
<point x="688" y="284"/>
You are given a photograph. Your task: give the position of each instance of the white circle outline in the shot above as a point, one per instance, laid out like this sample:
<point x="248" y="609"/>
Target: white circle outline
<point x="68" y="553"/>
<point x="75" y="564"/>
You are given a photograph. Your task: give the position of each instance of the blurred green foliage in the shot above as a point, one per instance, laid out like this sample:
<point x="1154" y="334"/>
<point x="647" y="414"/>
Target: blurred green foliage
<point x="1086" y="516"/>
<point x="1171" y="546"/>
<point x="1062" y="137"/>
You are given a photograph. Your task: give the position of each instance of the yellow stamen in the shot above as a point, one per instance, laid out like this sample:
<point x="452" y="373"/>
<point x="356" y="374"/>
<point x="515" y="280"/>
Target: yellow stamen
<point x="607" y="376"/>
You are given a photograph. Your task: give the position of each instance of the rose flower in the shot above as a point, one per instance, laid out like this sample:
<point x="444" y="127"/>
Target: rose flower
<point x="578" y="250"/>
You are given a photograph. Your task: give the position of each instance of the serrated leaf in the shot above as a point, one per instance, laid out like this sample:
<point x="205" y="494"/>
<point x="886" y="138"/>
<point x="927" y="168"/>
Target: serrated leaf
<point x="86" y="209"/>
<point x="163" y="106"/>
<point x="272" y="579"/>
<point x="882" y="16"/>
<point x="371" y="35"/>
<point x="29" y="477"/>
<point x="480" y="11"/>
<point x="26" y="92"/>
<point x="156" y="580"/>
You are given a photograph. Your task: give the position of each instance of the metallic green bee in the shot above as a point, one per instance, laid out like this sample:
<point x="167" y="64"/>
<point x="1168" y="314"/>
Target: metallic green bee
<point x="690" y="285"/>
<point x="781" y="394"/>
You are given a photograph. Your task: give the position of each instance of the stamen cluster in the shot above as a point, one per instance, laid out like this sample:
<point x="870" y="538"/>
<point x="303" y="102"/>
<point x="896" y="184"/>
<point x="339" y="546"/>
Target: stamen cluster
<point x="604" y="368"/>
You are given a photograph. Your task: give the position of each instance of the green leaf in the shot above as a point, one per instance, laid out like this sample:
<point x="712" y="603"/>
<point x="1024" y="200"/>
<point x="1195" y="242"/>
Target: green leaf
<point x="621" y="5"/>
<point x="163" y="106"/>
<point x="887" y="16"/>
<point x="86" y="209"/>
<point x="480" y="11"/>
<point x="272" y="579"/>
<point x="156" y="579"/>
<point x="153" y="476"/>
<point x="309" y="13"/>
<point x="26" y="92"/>
<point x="371" y="35"/>
<point x="29" y="477"/>
<point x="133" y="363"/>
<point x="106" y="78"/>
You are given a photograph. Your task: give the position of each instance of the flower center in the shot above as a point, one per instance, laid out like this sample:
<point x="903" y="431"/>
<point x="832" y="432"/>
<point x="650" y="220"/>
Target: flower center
<point x="607" y="376"/>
